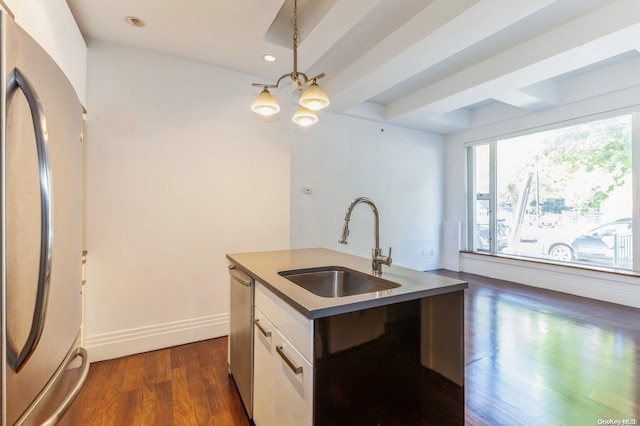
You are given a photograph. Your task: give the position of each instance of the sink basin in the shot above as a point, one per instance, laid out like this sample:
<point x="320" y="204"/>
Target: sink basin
<point x="336" y="281"/>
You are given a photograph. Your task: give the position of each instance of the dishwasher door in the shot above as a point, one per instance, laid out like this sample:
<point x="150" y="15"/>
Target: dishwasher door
<point x="241" y="335"/>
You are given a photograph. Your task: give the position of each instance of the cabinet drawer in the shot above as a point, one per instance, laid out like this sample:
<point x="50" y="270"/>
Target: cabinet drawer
<point x="294" y="384"/>
<point x="283" y="380"/>
<point x="291" y="323"/>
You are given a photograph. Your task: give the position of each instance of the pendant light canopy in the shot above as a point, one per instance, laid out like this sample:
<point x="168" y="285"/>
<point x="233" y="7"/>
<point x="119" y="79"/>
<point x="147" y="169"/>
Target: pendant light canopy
<point x="312" y="99"/>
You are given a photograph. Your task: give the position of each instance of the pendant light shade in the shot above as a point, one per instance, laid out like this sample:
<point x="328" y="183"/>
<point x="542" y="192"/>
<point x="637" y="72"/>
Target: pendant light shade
<point x="305" y="117"/>
<point x="314" y="98"/>
<point x="265" y="104"/>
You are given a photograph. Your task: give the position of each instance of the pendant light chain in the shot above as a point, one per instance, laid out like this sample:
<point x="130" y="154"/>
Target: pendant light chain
<point x="296" y="38"/>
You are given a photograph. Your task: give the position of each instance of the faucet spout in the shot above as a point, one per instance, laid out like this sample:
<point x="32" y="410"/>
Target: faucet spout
<point x="378" y="259"/>
<point x="345" y="233"/>
<point x="347" y="218"/>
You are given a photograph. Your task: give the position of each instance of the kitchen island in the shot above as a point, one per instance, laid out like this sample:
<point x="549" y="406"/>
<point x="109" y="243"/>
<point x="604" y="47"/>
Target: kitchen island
<point x="391" y="355"/>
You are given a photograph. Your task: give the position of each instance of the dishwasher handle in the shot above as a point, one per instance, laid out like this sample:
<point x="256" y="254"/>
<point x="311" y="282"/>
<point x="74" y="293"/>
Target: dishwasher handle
<point x="240" y="276"/>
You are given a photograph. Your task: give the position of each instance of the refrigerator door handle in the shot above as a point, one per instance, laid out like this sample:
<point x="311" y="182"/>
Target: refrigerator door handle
<point x="15" y="358"/>
<point x="64" y="406"/>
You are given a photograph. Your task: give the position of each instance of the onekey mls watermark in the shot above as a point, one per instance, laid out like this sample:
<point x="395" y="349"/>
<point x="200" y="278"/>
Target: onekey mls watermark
<point x="618" y="422"/>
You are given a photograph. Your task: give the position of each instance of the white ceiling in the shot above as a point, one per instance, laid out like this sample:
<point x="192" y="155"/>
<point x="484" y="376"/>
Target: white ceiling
<point x="426" y="64"/>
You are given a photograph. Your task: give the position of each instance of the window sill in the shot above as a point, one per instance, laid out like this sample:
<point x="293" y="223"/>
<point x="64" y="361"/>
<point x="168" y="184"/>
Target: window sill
<point x="621" y="287"/>
<point x="545" y="263"/>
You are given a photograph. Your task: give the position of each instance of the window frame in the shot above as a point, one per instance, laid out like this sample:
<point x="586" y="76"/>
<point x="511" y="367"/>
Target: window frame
<point x="473" y="196"/>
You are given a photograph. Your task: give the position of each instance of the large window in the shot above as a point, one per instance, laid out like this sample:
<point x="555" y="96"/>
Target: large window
<point x="561" y="195"/>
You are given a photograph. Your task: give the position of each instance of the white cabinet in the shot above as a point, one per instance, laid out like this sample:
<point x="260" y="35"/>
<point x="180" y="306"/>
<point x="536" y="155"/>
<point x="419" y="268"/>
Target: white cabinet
<point x="283" y="377"/>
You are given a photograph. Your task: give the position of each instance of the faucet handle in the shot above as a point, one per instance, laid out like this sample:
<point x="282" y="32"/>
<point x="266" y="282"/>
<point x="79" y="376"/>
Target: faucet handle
<point x="388" y="258"/>
<point x="381" y="258"/>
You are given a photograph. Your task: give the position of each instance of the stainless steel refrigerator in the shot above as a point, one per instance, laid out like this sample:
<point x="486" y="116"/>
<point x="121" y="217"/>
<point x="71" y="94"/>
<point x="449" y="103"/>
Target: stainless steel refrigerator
<point x="43" y="365"/>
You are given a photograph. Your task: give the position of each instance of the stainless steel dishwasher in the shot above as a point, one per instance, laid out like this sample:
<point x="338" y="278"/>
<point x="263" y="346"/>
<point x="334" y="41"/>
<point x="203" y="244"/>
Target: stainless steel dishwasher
<point x="241" y="335"/>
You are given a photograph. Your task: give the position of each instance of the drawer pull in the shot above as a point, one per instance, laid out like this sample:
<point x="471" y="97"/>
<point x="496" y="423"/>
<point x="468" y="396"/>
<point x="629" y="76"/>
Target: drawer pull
<point x="264" y="332"/>
<point x="291" y="365"/>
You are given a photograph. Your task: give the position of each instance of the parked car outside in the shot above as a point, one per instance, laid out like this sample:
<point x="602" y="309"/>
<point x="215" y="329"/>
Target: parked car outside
<point x="503" y="236"/>
<point x="597" y="246"/>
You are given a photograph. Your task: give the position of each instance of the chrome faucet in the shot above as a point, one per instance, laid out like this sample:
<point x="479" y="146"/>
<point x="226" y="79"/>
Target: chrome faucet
<point x="377" y="258"/>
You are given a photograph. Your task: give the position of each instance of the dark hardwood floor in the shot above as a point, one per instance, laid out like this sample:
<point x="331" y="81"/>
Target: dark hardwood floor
<point x="183" y="385"/>
<point x="540" y="357"/>
<point x="533" y="357"/>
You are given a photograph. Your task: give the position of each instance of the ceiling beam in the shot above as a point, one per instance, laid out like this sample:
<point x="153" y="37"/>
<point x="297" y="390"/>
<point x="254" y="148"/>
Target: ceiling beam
<point x="450" y="122"/>
<point x="342" y="17"/>
<point x="368" y="110"/>
<point x="441" y="30"/>
<point x="532" y="98"/>
<point x="604" y="33"/>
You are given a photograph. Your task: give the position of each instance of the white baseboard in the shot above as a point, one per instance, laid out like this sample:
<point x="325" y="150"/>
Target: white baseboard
<point x="609" y="287"/>
<point x="128" y="342"/>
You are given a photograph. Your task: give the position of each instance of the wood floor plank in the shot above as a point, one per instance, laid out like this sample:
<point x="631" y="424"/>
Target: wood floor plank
<point x="211" y="354"/>
<point x="198" y="391"/>
<point x="184" y="357"/>
<point x="128" y="407"/>
<point x="183" y="408"/>
<point x="156" y="367"/>
<point x="134" y="367"/>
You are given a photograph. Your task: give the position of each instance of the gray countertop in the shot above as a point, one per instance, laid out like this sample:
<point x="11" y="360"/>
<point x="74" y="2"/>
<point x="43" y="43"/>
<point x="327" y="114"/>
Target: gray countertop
<point x="264" y="266"/>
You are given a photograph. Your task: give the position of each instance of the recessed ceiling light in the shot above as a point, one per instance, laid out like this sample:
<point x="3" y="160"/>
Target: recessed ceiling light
<point x="268" y="57"/>
<point x="136" y="22"/>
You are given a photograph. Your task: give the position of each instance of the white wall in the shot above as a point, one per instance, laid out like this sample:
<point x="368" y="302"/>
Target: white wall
<point x="401" y="170"/>
<point x="179" y="173"/>
<point x="582" y="96"/>
<point x="51" y="24"/>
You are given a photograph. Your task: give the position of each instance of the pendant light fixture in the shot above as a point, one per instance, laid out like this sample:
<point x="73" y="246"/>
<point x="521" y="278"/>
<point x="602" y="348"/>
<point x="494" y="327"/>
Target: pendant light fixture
<point x="312" y="99"/>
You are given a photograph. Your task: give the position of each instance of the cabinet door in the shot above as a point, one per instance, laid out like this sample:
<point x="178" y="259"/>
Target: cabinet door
<point x="294" y="384"/>
<point x="264" y="371"/>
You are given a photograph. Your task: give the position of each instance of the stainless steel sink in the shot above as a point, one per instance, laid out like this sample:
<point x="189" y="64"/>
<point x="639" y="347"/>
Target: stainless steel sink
<point x="336" y="281"/>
